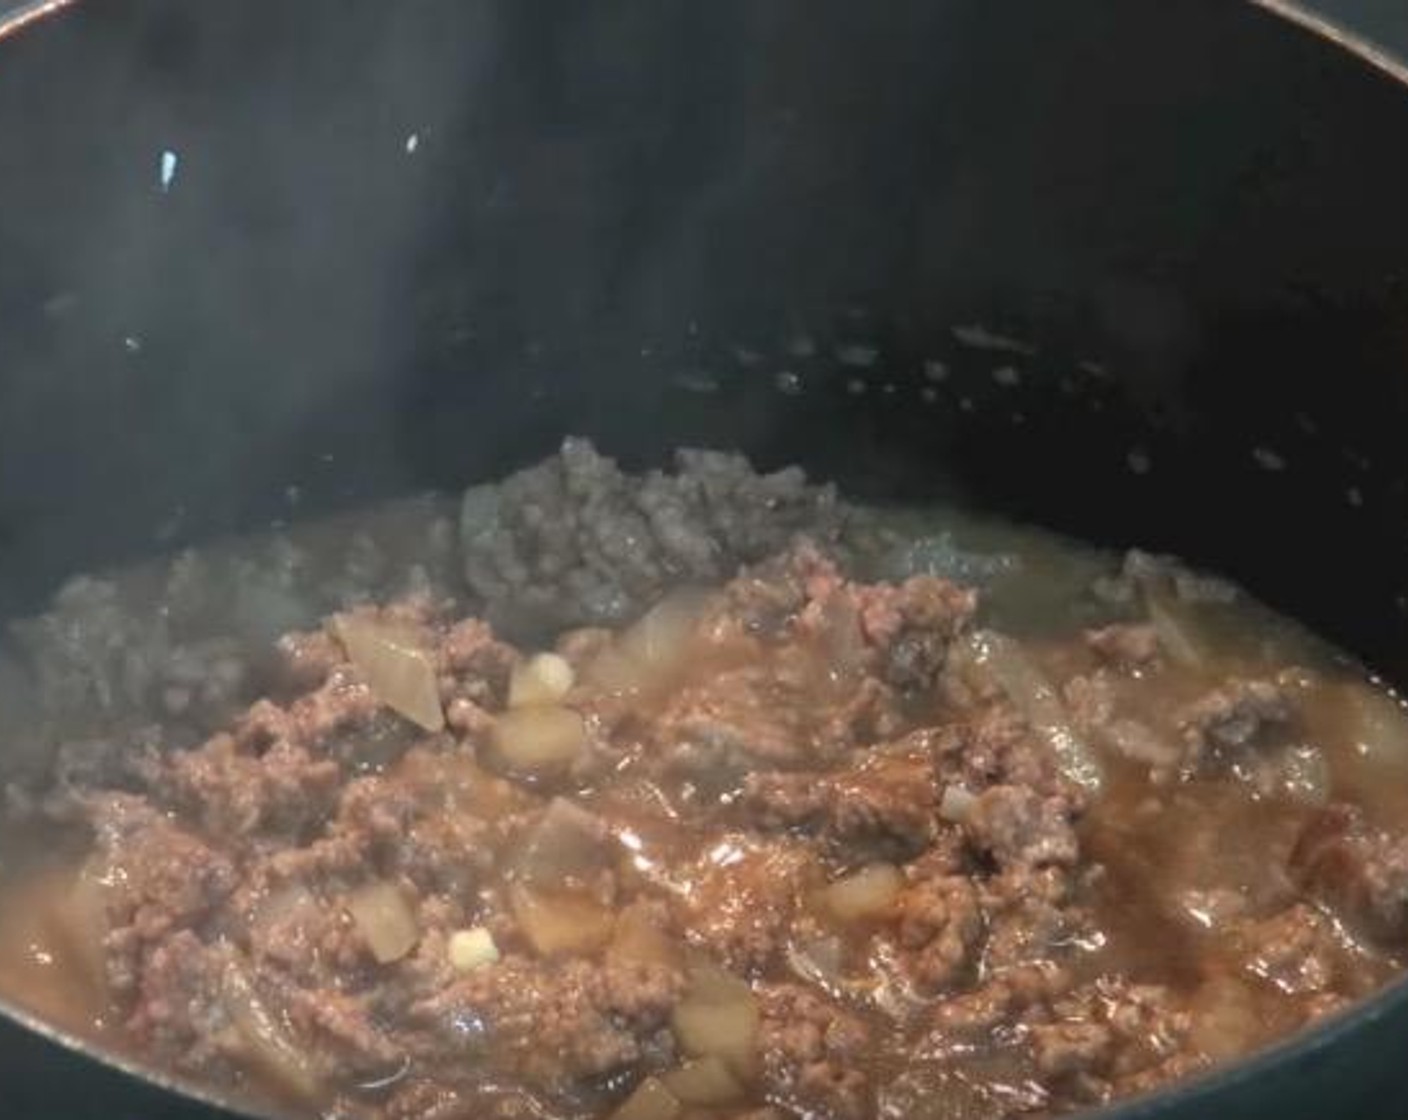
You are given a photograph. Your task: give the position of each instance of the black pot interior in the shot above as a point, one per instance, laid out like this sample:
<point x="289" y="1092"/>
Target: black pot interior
<point x="263" y="260"/>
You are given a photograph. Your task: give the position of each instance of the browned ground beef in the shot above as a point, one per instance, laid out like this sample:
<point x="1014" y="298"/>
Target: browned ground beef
<point x="801" y="811"/>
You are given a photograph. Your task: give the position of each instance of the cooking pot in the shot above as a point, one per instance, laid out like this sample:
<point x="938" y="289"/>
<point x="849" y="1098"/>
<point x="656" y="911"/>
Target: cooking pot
<point x="1130" y="269"/>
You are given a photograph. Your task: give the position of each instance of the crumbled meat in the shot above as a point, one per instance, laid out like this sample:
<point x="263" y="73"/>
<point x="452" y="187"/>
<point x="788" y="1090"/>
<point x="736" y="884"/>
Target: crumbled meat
<point x="1359" y="870"/>
<point x="1030" y="915"/>
<point x="1012" y="992"/>
<point x="744" y="898"/>
<point x="341" y="1026"/>
<point x="885" y="808"/>
<point x="158" y="878"/>
<point x="181" y="1013"/>
<point x="812" y="1054"/>
<point x="1019" y="828"/>
<point x="1233" y="717"/>
<point x="994" y="746"/>
<point x="913" y="625"/>
<point x="1104" y="1034"/>
<point x="575" y="539"/>
<point x="475" y="665"/>
<point x="552" y="1025"/>
<point x="938" y="934"/>
<point x="232" y="791"/>
<point x="797" y="588"/>
<point x="1296" y="950"/>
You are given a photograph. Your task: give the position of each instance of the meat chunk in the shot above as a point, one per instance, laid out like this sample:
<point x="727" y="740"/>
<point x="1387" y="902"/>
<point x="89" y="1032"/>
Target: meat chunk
<point x="913" y="626"/>
<point x="1105" y="1034"/>
<point x="158" y="878"/>
<point x="940" y="929"/>
<point x="995" y="746"/>
<point x="178" y="1010"/>
<point x="575" y="540"/>
<point x="744" y="898"/>
<point x="1296" y="950"/>
<point x="1030" y="916"/>
<point x="813" y="1054"/>
<point x="1019" y="828"/>
<point x="234" y="792"/>
<point x="883" y="809"/>
<point x="1360" y="871"/>
<point x="769" y="716"/>
<point x="552" y="1025"/>
<point x="1232" y="718"/>
<point x="1020" y="991"/>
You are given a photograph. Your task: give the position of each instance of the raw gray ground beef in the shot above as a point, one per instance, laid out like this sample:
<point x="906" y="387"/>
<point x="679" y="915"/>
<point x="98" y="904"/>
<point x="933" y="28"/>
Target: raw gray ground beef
<point x="576" y="540"/>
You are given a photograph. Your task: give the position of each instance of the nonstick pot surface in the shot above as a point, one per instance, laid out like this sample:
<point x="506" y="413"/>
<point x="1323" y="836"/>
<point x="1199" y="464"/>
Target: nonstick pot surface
<point x="265" y="260"/>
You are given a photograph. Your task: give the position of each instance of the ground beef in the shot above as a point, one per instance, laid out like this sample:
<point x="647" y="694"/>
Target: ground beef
<point x="1018" y="828"/>
<point x="575" y="539"/>
<point x="1232" y="718"/>
<point x="748" y="717"/>
<point x="233" y="791"/>
<point x="744" y="898"/>
<point x="1011" y="993"/>
<point x="812" y="1052"/>
<point x="995" y="746"/>
<point x="939" y="930"/>
<point x="1103" y="1035"/>
<point x="157" y="878"/>
<point x="781" y="713"/>
<point x="914" y="626"/>
<point x="1297" y="950"/>
<point x="885" y="808"/>
<point x="1031" y="914"/>
<point x="553" y="1025"/>
<point x="1361" y="871"/>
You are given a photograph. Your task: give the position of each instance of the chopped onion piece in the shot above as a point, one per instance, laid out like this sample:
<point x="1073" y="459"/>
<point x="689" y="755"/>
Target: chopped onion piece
<point x="718" y="1017"/>
<point x="471" y="949"/>
<point x="867" y="893"/>
<point x="1027" y="687"/>
<point x="398" y="668"/>
<point x="650" y="1101"/>
<point x="540" y="738"/>
<point x="384" y="919"/>
<point x="956" y="804"/>
<point x="567" y="842"/>
<point x="561" y="922"/>
<point x="704" y="1083"/>
<point x="1377" y="722"/>
<point x="638" y="940"/>
<point x="661" y="636"/>
<point x="264" y="1041"/>
<point x="646" y="653"/>
<point x="1177" y="634"/>
<point x="79" y="919"/>
<point x="817" y="961"/>
<point x="1225" y="1023"/>
<point x="543" y="679"/>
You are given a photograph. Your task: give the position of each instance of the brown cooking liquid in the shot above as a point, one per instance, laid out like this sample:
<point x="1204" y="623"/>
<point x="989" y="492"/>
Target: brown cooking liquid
<point x="799" y="847"/>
